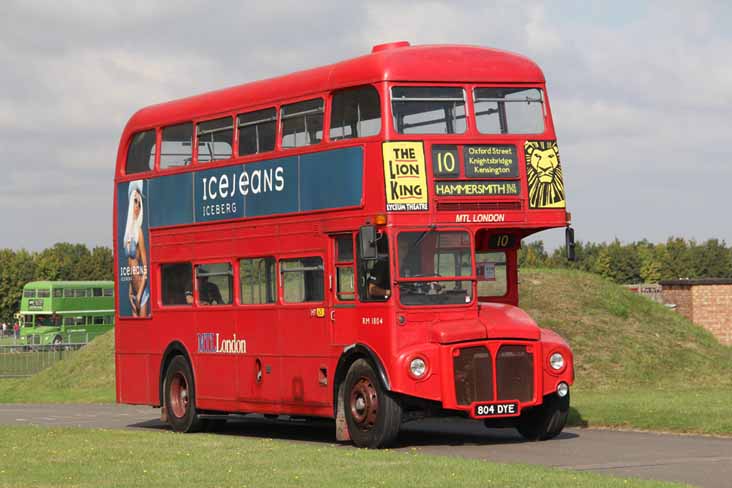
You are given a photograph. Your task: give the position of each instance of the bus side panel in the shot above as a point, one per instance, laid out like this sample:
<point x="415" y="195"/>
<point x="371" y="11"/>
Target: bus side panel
<point x="133" y="372"/>
<point x="133" y="364"/>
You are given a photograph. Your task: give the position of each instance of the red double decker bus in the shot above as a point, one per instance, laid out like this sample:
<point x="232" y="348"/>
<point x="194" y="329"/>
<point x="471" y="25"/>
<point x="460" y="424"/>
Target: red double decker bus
<point x="342" y="242"/>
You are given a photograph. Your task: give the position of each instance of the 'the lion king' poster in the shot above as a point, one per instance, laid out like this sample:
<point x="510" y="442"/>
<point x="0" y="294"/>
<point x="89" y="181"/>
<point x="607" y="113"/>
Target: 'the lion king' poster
<point x="546" y="187"/>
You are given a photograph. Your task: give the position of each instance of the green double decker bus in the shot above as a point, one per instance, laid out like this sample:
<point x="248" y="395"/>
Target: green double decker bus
<point x="58" y="312"/>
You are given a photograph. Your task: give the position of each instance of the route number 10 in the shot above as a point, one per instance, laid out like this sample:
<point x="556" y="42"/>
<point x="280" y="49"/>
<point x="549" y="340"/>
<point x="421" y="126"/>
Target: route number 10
<point x="444" y="161"/>
<point x="501" y="241"/>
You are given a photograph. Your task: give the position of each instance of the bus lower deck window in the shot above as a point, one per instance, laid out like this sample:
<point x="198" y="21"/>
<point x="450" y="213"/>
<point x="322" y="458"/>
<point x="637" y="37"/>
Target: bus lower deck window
<point x="215" y="284"/>
<point x="257" y="281"/>
<point x="175" y="281"/>
<point x="302" y="279"/>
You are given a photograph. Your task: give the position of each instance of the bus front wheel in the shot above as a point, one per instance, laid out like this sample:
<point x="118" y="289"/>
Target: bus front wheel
<point x="373" y="415"/>
<point x="180" y="398"/>
<point x="545" y="421"/>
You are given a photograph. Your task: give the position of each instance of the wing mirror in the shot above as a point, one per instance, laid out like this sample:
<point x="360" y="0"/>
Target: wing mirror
<point x="367" y="242"/>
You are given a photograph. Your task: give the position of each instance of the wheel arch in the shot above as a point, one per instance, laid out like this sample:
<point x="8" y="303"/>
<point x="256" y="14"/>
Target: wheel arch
<point x="350" y="354"/>
<point x="175" y="348"/>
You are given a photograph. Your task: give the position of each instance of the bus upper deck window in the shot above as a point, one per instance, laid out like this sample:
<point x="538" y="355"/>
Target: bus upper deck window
<point x="428" y="109"/>
<point x="177" y="146"/>
<point x="257" y="131"/>
<point x="356" y="112"/>
<point x="302" y="123"/>
<point x="509" y="110"/>
<point x="215" y="139"/>
<point x="141" y="152"/>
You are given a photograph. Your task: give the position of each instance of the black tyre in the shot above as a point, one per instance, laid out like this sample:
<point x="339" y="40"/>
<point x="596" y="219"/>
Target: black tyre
<point x="57" y="342"/>
<point x="373" y="414"/>
<point x="180" y="397"/>
<point x="213" y="425"/>
<point x="545" y="421"/>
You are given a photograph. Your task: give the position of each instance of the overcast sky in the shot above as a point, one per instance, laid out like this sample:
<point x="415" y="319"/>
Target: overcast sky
<point x="641" y="95"/>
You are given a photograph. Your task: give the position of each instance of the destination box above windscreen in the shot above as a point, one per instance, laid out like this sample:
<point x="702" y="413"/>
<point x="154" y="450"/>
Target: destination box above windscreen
<point x="480" y="161"/>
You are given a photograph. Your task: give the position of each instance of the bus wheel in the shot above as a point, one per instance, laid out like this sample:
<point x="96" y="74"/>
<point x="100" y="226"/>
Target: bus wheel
<point x="545" y="421"/>
<point x="180" y="398"/>
<point x="372" y="414"/>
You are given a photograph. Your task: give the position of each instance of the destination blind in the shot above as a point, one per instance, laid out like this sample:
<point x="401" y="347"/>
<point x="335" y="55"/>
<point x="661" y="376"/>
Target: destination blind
<point x="487" y="170"/>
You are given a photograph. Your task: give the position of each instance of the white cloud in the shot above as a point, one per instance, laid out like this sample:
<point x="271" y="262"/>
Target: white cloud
<point x="641" y="94"/>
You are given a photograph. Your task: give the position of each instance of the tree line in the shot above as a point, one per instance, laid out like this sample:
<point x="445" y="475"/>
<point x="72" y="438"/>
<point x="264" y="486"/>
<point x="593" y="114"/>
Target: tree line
<point x="638" y="262"/>
<point x="62" y="262"/>
<point x="634" y="262"/>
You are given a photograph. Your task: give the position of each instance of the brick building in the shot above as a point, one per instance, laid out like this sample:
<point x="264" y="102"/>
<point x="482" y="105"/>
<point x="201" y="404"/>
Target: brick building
<point x="706" y="302"/>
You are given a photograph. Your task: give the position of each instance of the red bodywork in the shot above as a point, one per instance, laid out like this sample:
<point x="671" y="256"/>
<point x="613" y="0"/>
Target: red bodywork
<point x="297" y="347"/>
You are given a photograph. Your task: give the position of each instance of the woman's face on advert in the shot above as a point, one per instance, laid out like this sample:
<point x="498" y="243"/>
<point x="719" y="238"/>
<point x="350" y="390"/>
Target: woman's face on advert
<point x="136" y="203"/>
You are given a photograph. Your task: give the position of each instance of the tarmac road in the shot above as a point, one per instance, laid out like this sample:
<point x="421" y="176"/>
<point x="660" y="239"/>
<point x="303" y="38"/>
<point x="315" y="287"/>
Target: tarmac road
<point x="697" y="460"/>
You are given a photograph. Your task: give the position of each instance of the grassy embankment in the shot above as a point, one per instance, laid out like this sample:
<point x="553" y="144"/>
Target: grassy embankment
<point x="87" y="376"/>
<point x="106" y="458"/>
<point x="639" y="365"/>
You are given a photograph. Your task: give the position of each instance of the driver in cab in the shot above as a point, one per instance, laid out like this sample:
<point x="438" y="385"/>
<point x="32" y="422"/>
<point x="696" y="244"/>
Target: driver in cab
<point x="379" y="278"/>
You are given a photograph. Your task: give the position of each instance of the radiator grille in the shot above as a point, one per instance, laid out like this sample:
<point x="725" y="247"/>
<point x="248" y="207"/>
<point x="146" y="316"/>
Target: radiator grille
<point x="515" y="373"/>
<point x="461" y="206"/>
<point x="473" y="370"/>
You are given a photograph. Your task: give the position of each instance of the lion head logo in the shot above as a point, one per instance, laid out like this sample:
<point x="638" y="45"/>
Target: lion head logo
<point x="546" y="187"/>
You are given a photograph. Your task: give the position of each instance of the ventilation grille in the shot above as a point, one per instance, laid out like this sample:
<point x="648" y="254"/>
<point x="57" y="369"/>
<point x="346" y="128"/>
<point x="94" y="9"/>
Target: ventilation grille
<point x="473" y="372"/>
<point x="515" y="373"/>
<point x="462" y="206"/>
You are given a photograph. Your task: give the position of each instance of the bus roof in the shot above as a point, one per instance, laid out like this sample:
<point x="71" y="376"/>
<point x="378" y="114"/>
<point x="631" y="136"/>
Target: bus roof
<point x="68" y="284"/>
<point x="389" y="62"/>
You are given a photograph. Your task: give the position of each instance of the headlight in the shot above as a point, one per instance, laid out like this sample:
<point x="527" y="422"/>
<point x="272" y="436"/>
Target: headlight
<point x="418" y="367"/>
<point x="556" y="361"/>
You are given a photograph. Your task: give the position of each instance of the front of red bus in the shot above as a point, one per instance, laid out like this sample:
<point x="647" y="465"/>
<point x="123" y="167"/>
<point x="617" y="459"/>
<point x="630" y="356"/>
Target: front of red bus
<point x="471" y="167"/>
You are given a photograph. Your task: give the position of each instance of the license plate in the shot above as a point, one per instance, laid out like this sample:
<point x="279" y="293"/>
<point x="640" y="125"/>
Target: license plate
<point x="499" y="409"/>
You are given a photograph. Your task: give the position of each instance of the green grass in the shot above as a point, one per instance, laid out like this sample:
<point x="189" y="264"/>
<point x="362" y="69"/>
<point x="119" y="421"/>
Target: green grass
<point x="103" y="458"/>
<point x="699" y="411"/>
<point x="87" y="376"/>
<point x="638" y="364"/>
<point x="623" y="340"/>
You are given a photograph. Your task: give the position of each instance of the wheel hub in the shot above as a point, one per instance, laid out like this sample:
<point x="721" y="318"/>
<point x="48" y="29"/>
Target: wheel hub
<point x="179" y="395"/>
<point x="364" y="404"/>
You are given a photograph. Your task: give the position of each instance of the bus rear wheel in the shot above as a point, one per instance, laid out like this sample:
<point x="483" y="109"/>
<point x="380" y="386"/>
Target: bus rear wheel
<point x="180" y="398"/>
<point x="372" y="414"/>
<point x="545" y="421"/>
